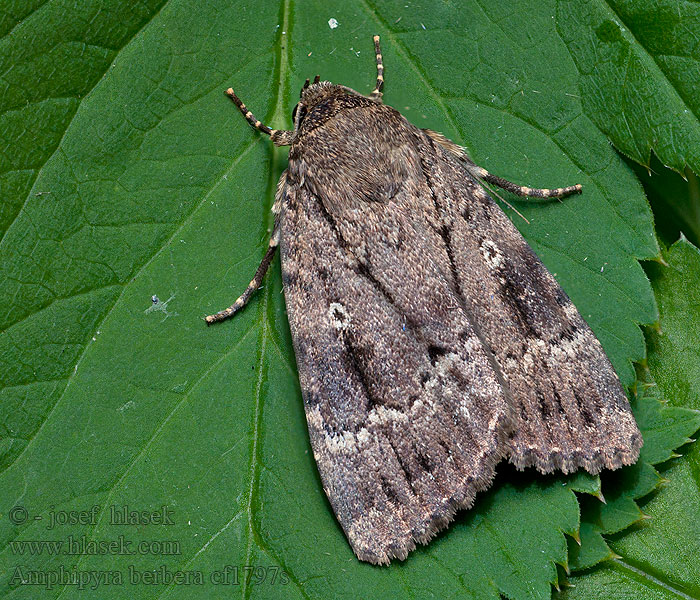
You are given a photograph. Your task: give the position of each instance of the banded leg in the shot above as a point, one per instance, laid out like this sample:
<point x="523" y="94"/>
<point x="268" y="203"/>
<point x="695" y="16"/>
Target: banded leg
<point x="482" y="174"/>
<point x="279" y="137"/>
<point x="377" y="92"/>
<point x="254" y="284"/>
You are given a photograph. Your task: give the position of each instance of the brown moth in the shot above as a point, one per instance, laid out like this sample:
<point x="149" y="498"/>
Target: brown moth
<point x="431" y="342"/>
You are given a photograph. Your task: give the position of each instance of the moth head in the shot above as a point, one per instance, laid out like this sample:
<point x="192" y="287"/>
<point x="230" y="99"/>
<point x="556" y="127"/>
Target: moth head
<point x="313" y="94"/>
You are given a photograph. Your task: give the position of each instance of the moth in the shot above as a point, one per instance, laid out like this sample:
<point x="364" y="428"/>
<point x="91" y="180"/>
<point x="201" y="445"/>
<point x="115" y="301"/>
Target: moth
<point x="430" y="340"/>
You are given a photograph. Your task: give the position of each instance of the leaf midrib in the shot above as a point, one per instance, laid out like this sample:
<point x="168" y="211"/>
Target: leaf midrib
<point x="620" y="565"/>
<point x="253" y="534"/>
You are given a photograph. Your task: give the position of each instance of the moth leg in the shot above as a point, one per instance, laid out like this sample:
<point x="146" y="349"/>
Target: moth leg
<point x="279" y="137"/>
<point x="255" y="282"/>
<point x="482" y="174"/>
<point x="377" y="92"/>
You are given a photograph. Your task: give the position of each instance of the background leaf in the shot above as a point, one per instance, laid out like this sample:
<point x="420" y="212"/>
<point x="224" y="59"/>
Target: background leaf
<point x="639" y="74"/>
<point x="658" y="558"/>
<point x="665" y="428"/>
<point x="143" y="204"/>
<point x="70" y="45"/>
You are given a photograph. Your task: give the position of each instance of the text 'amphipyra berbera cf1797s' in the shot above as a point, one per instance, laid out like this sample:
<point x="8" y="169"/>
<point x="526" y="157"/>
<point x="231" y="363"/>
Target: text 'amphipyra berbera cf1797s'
<point x="431" y="342"/>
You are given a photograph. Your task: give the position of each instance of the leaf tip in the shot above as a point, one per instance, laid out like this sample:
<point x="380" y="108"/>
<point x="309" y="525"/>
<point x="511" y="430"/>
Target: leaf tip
<point x="661" y="260"/>
<point x="656" y="327"/>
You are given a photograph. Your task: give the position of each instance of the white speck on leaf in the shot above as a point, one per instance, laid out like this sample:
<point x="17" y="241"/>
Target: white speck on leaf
<point x="332" y="23"/>
<point x="161" y="306"/>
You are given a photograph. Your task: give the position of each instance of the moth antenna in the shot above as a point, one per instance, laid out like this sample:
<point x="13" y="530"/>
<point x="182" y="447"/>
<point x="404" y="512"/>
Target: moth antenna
<point x="297" y="117"/>
<point x="317" y="78"/>
<point x="521" y="190"/>
<point x="482" y="174"/>
<point x="377" y="92"/>
<point x="279" y="137"/>
<point x="247" y="114"/>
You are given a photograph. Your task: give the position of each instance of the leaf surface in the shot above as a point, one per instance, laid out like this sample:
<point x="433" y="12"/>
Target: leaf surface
<point x="148" y="207"/>
<point x="639" y="74"/>
<point x="658" y="557"/>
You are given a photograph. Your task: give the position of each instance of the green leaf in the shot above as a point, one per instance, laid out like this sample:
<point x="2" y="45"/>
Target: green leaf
<point x="138" y="201"/>
<point x="664" y="428"/>
<point x="673" y="353"/>
<point x="639" y="74"/>
<point x="70" y="45"/>
<point x="658" y="558"/>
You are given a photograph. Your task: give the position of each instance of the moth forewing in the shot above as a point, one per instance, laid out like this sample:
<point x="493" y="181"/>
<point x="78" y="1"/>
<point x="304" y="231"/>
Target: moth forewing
<point x="430" y="340"/>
